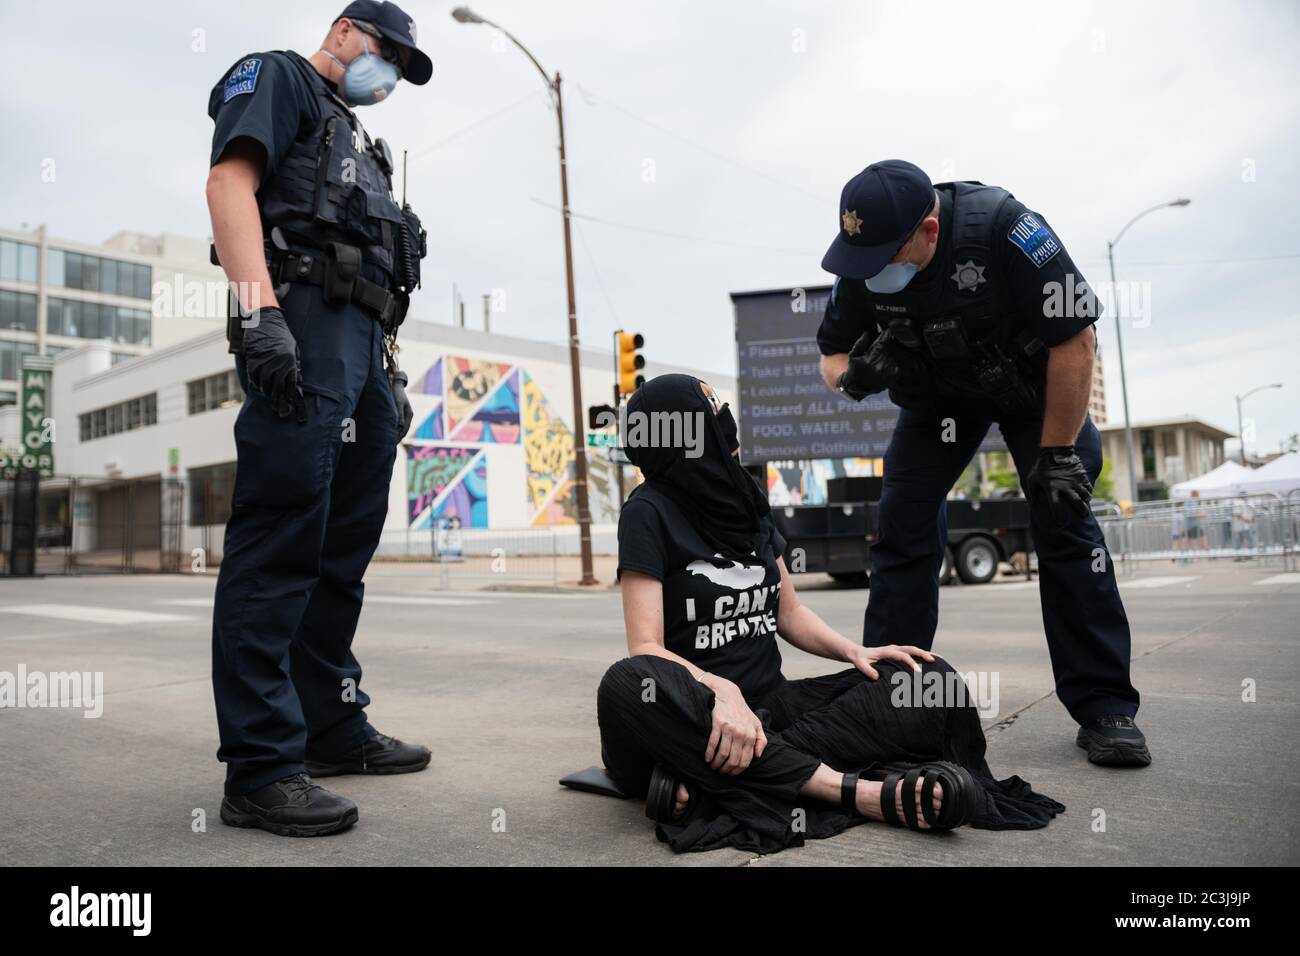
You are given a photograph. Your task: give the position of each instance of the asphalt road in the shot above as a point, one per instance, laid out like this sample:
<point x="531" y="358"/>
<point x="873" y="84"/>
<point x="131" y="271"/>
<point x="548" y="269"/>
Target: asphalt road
<point x="502" y="687"/>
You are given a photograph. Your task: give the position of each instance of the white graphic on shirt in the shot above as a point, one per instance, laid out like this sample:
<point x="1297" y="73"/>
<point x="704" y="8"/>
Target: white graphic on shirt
<point x="743" y="613"/>
<point x="737" y="577"/>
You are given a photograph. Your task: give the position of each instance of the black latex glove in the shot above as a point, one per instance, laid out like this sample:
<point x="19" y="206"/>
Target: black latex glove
<point x="1059" y="482"/>
<point x="405" y="413"/>
<point x="271" y="358"/>
<point x="872" y="367"/>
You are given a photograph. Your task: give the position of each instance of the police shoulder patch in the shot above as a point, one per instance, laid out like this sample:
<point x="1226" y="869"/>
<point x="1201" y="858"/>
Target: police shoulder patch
<point x="243" y="79"/>
<point x="1034" y="239"/>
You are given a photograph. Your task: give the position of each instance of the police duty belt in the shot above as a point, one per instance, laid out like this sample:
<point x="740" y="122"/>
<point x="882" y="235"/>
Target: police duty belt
<point x="313" y="270"/>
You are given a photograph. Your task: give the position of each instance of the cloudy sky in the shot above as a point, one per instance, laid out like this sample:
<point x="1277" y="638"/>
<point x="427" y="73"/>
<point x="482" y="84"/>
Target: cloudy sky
<point x="708" y="143"/>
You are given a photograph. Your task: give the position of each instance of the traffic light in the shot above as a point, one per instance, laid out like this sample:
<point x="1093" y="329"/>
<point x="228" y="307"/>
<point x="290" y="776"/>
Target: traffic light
<point x="630" y="362"/>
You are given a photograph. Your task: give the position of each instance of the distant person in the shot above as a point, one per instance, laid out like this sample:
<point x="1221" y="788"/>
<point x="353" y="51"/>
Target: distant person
<point x="323" y="261"/>
<point x="1243" y="528"/>
<point x="699" y="718"/>
<point x="963" y="304"/>
<point x="1195" y="511"/>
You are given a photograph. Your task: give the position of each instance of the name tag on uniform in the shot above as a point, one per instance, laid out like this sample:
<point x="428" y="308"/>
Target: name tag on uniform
<point x="243" y="79"/>
<point x="1034" y="239"/>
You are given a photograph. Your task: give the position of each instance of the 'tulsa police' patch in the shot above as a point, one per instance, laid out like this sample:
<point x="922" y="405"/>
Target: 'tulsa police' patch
<point x="1034" y="239"/>
<point x="243" y="79"/>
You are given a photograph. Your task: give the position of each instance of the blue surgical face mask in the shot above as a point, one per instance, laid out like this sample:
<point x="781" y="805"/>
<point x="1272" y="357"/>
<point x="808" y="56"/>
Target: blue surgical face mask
<point x="367" y="79"/>
<point x="893" y="278"/>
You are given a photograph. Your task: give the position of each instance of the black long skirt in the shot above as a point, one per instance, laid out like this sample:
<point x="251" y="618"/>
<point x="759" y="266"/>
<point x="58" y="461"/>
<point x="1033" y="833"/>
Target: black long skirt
<point x="652" y="711"/>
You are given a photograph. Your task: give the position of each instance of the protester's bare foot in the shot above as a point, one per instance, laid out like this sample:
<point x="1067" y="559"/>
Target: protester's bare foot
<point x="868" y="801"/>
<point x="683" y="798"/>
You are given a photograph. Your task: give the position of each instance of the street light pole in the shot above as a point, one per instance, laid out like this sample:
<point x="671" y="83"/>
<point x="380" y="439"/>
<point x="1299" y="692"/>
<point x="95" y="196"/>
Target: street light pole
<point x="465" y="15"/>
<point x="1119" y="341"/>
<point x="1241" y="438"/>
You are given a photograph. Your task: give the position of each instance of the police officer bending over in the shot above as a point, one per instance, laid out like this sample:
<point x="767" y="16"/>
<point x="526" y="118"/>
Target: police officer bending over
<point x="323" y="262"/>
<point x="964" y="306"/>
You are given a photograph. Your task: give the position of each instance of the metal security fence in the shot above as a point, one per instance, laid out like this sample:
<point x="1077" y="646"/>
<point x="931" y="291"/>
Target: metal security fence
<point x="471" y="557"/>
<point x="106" y="525"/>
<point x="1261" y="527"/>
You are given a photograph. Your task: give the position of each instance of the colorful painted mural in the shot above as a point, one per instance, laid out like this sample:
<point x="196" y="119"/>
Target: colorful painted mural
<point x="548" y="451"/>
<point x="497" y="419"/>
<point x="465" y="406"/>
<point x="432" y="473"/>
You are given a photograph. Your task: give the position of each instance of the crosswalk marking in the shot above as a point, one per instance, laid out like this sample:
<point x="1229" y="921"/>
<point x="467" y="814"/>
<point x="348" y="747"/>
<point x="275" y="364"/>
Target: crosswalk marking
<point x="93" y="615"/>
<point x="1290" y="577"/>
<point x="1156" y="582"/>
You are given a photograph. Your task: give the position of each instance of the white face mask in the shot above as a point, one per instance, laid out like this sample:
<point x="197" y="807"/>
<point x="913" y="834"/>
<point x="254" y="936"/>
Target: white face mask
<point x="367" y="79"/>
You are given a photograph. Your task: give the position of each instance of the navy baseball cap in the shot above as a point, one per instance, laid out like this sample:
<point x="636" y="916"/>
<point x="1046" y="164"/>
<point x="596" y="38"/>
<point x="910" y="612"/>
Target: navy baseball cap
<point x="392" y="21"/>
<point x="879" y="208"/>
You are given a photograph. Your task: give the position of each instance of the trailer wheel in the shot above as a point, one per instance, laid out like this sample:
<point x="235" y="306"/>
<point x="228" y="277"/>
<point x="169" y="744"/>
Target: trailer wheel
<point x="945" y="567"/>
<point x="977" y="560"/>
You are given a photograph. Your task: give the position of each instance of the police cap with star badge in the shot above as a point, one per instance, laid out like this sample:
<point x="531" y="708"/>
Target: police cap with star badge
<point x="879" y="208"/>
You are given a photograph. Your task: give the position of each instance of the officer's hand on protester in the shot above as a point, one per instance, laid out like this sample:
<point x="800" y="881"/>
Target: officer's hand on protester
<point x="1059" y="482"/>
<point x="405" y="413"/>
<point x="737" y="736"/>
<point x="872" y="367"/>
<point x="863" y="657"/>
<point x="271" y="357"/>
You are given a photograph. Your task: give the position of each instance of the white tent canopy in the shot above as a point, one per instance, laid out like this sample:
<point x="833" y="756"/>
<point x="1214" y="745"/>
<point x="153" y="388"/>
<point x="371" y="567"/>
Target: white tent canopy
<point x="1227" y="479"/>
<point x="1280" y="476"/>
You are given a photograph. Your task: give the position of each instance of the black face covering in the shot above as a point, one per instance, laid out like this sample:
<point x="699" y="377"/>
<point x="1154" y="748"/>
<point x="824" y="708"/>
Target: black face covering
<point x="722" y="500"/>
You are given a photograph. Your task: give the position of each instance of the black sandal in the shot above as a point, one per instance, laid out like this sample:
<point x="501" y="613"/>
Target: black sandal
<point x="955" y="810"/>
<point x="661" y="798"/>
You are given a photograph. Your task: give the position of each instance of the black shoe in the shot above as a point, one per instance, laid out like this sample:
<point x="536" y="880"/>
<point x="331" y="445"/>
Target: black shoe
<point x="1114" y="741"/>
<point x="381" y="754"/>
<point x="292" y="806"/>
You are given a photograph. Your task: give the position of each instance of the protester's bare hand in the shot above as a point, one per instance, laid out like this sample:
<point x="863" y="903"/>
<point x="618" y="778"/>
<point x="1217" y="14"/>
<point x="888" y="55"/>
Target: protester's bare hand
<point x="863" y="657"/>
<point x="737" y="736"/>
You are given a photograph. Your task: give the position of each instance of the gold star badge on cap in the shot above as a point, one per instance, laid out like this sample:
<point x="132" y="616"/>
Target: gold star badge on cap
<point x="852" y="224"/>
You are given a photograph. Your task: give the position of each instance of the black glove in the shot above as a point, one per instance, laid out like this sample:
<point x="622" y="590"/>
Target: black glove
<point x="405" y="413"/>
<point x="872" y="367"/>
<point x="271" y="357"/>
<point x="1059" y="482"/>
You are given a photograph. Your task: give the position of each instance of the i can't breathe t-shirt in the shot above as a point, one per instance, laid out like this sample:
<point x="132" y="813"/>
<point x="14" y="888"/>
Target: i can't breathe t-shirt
<point x="719" y="613"/>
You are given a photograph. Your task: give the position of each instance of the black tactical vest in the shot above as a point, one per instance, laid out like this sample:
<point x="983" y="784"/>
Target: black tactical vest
<point x="961" y="325"/>
<point x="334" y="185"/>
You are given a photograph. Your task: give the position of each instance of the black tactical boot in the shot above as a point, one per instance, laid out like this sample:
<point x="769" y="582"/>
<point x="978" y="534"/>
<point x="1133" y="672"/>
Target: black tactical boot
<point x="381" y="754"/>
<point x="1114" y="741"/>
<point x="292" y="806"/>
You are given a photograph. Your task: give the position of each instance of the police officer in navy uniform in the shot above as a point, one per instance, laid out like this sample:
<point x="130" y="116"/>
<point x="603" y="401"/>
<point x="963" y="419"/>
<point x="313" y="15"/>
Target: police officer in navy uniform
<point x="964" y="306"/>
<point x="322" y="261"/>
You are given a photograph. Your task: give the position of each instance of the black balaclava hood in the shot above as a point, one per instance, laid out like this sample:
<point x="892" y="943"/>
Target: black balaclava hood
<point x="723" y="502"/>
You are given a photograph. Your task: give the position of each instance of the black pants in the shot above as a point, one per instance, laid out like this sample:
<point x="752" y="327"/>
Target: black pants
<point x="309" y="505"/>
<point x="652" y="711"/>
<point x="1083" y="616"/>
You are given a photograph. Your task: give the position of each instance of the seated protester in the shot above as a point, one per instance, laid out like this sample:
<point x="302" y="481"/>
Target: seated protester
<point x="699" y="718"/>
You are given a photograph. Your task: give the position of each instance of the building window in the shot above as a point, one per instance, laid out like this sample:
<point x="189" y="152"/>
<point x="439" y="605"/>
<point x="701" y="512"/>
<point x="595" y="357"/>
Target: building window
<point x="11" y="358"/>
<point x="122" y="417"/>
<point x="95" y="320"/>
<point x="73" y="270"/>
<point x="17" y="261"/>
<point x="211" y="490"/>
<point x="18" y="311"/>
<point x="215" y="391"/>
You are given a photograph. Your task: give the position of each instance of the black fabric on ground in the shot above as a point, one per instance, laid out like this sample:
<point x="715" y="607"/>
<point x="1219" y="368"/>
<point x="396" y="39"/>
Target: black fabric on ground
<point x="652" y="711"/>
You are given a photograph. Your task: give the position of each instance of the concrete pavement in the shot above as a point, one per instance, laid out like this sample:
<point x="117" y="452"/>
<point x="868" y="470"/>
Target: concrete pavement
<point x="502" y="687"/>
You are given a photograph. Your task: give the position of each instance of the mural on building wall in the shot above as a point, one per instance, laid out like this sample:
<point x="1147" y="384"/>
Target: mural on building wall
<point x="804" y="482"/>
<point x="548" y="450"/>
<point x="497" y="419"/>
<point x="434" y="473"/>
<point x="468" y="382"/>
<point x="462" y="406"/>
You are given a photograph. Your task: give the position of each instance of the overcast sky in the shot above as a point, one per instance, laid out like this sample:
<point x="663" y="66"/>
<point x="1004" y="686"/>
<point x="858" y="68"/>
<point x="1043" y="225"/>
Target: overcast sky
<point x="713" y="138"/>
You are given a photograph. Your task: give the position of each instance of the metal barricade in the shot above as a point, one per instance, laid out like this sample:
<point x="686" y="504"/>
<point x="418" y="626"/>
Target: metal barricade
<point x="1258" y="527"/>
<point x="473" y="557"/>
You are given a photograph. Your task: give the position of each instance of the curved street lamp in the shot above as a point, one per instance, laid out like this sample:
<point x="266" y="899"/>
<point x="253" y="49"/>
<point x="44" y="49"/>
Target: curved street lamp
<point x="1119" y="340"/>
<point x="1241" y="440"/>
<point x="466" y="15"/>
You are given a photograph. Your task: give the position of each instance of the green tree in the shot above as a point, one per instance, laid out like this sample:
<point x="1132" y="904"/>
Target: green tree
<point x="1105" y="486"/>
